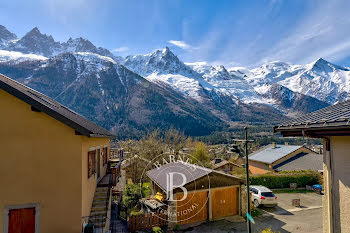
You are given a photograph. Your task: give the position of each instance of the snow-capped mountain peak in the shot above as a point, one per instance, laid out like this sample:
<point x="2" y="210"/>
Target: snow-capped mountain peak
<point x="162" y="61"/>
<point x="6" y="36"/>
<point x="319" y="79"/>
<point x="322" y="65"/>
<point x="275" y="85"/>
<point x="35" y="42"/>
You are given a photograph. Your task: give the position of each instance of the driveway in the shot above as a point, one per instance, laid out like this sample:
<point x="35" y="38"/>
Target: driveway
<point x="284" y="218"/>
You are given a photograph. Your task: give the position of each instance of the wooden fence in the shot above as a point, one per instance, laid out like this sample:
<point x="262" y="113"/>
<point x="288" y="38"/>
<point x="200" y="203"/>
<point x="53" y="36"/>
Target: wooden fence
<point x="145" y="221"/>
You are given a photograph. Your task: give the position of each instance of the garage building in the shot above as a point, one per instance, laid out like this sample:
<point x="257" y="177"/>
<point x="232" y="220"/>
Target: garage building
<point x="211" y="194"/>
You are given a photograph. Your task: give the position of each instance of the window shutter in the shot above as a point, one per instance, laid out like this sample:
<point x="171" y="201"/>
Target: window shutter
<point x="89" y="164"/>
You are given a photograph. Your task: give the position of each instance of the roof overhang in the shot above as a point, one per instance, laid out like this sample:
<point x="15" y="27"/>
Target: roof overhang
<point x="313" y="131"/>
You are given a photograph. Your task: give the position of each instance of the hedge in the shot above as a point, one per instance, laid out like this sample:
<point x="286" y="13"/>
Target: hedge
<point x="283" y="180"/>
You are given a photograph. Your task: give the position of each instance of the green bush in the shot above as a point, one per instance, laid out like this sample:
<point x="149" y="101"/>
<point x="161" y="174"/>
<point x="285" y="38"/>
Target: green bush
<point x="131" y="195"/>
<point x="283" y="180"/>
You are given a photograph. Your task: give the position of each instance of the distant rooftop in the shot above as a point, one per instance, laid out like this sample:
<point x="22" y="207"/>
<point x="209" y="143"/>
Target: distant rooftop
<point x="302" y="161"/>
<point x="268" y="154"/>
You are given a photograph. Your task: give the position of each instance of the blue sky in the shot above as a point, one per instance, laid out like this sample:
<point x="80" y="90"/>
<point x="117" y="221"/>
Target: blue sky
<point x="233" y="33"/>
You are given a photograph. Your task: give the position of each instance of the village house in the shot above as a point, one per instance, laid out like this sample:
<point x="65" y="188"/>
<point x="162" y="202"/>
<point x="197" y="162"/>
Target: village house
<point x="53" y="164"/>
<point x="210" y="194"/>
<point x="223" y="165"/>
<point x="274" y="158"/>
<point x="332" y="125"/>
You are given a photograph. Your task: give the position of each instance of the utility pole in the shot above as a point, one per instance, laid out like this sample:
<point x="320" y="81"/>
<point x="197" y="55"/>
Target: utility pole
<point x="245" y="144"/>
<point x="249" y="224"/>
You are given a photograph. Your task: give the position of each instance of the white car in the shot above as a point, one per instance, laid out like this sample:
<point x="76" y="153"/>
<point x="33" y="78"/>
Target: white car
<point x="262" y="196"/>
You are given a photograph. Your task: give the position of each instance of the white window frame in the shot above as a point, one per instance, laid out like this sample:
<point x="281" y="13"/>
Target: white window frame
<point x="22" y="206"/>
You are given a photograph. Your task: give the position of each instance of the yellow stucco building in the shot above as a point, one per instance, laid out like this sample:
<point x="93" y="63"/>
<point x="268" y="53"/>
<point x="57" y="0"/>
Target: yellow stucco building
<point x="51" y="161"/>
<point x="332" y="125"/>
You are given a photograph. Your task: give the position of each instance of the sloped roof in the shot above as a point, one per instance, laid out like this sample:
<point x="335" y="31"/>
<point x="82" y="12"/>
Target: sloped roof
<point x="222" y="163"/>
<point x="52" y="108"/>
<point x="302" y="161"/>
<point x="337" y="115"/>
<point x="159" y="175"/>
<point x="268" y="154"/>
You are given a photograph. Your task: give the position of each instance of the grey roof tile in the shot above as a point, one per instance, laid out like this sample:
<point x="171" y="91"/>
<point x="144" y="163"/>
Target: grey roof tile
<point x="335" y="115"/>
<point x="159" y="175"/>
<point x="268" y="154"/>
<point x="302" y="161"/>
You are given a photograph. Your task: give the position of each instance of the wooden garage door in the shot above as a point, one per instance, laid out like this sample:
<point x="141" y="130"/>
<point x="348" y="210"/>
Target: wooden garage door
<point x="224" y="202"/>
<point x="22" y="221"/>
<point x="193" y="209"/>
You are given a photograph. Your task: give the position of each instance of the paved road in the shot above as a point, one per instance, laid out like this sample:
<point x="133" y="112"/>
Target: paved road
<point x="284" y="218"/>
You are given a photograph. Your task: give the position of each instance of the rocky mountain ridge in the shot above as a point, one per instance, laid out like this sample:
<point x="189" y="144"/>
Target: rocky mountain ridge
<point x="142" y="92"/>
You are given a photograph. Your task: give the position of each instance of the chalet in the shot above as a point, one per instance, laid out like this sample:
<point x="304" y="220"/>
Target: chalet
<point x="53" y="164"/>
<point x="274" y="158"/>
<point x="332" y="124"/>
<point x="210" y="194"/>
<point x="220" y="164"/>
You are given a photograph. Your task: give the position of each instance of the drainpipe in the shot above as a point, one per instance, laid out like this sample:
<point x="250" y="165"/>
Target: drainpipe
<point x="328" y="160"/>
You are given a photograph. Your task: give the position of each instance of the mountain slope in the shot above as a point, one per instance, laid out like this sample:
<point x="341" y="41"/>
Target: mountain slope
<point x="320" y="79"/>
<point x="6" y="36"/>
<point x="144" y="92"/>
<point x="213" y="87"/>
<point x="111" y="95"/>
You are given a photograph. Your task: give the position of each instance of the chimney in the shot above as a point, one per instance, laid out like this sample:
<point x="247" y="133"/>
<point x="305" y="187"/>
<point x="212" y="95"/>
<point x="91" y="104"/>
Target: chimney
<point x="286" y="143"/>
<point x="274" y="145"/>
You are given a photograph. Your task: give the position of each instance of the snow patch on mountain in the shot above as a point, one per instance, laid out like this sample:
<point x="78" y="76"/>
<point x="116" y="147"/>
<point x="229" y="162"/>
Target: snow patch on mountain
<point x="17" y="57"/>
<point x="320" y="79"/>
<point x="188" y="86"/>
<point x="227" y="84"/>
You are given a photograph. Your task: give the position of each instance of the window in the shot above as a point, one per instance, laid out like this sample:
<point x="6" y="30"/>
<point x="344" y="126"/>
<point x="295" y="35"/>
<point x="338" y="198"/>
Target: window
<point x="104" y="155"/>
<point x="91" y="163"/>
<point x="267" y="194"/>
<point x="266" y="167"/>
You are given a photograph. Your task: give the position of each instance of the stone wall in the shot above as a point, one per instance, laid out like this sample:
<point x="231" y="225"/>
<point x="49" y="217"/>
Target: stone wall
<point x="243" y="201"/>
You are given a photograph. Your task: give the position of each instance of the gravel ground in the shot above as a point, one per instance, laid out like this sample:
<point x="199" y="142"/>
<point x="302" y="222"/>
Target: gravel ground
<point x="284" y="218"/>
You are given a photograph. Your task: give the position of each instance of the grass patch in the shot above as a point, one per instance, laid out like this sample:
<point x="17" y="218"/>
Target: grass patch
<point x="256" y="212"/>
<point x="292" y="191"/>
<point x="136" y="212"/>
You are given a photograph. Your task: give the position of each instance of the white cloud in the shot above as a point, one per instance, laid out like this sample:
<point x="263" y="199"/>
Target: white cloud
<point x="322" y="33"/>
<point x="180" y="44"/>
<point x="121" y="49"/>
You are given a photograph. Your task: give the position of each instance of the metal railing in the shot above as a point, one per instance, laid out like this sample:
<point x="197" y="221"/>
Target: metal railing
<point x="108" y="192"/>
<point x="118" y="225"/>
